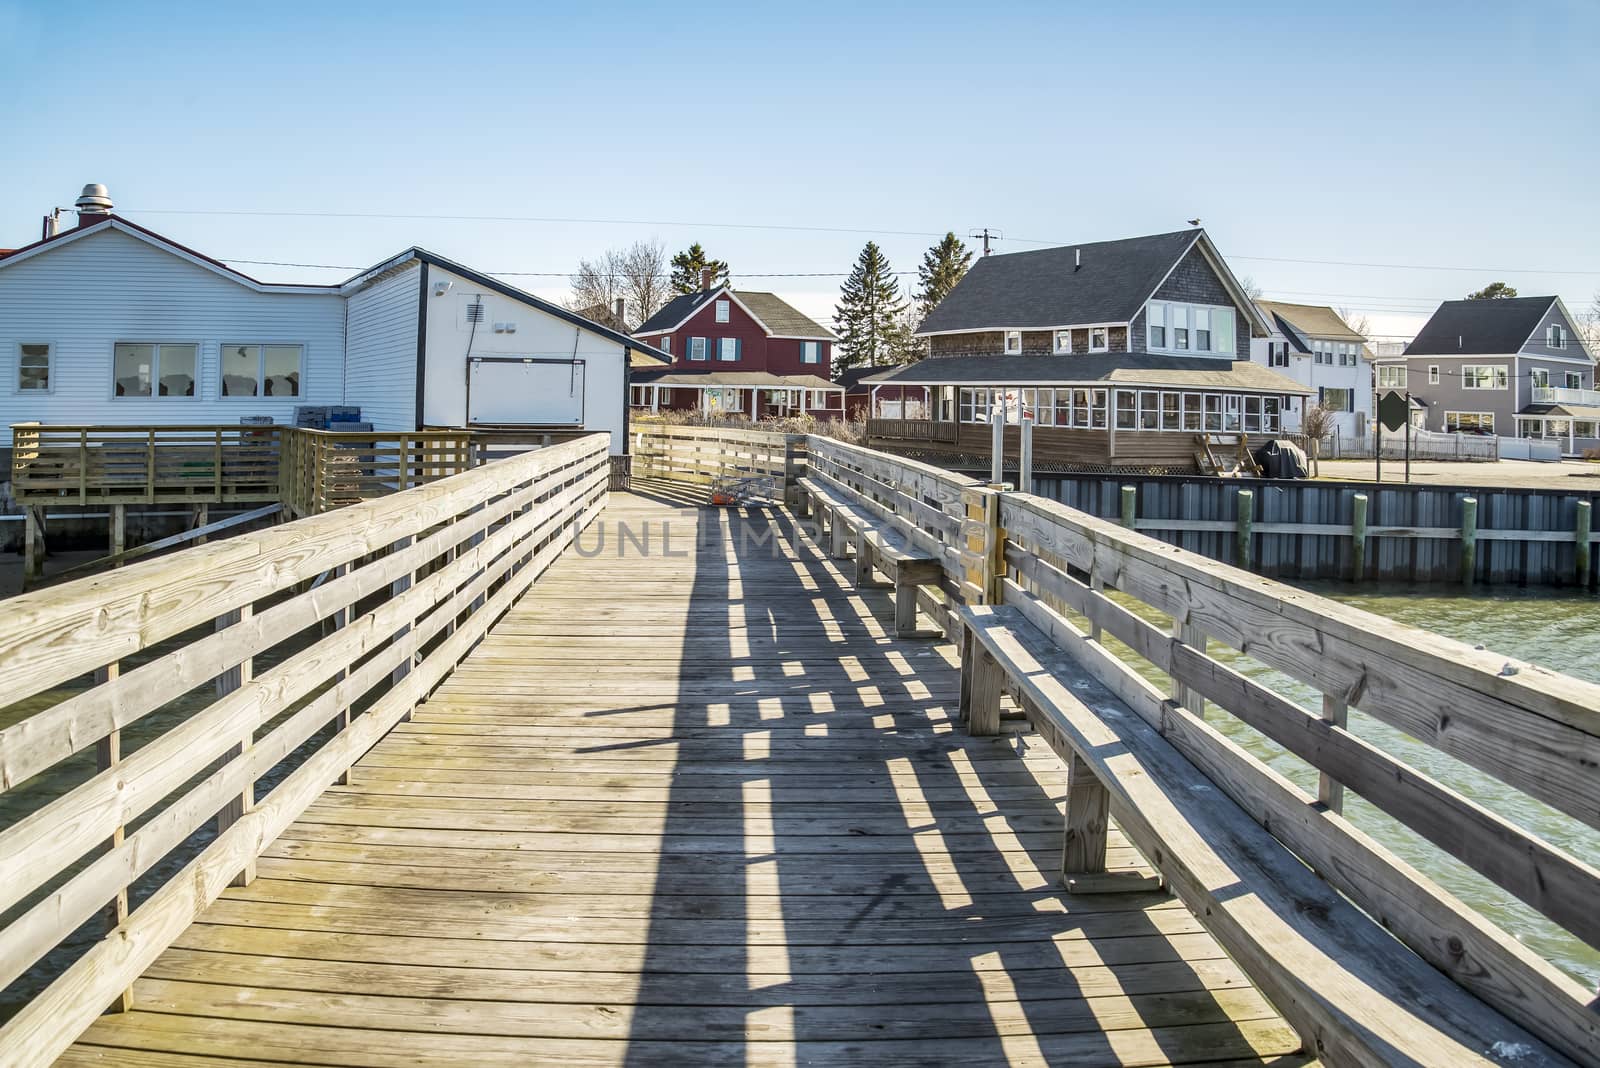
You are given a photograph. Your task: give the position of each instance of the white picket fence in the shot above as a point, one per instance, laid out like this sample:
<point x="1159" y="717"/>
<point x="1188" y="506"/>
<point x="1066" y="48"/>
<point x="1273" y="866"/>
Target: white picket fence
<point x="1425" y="445"/>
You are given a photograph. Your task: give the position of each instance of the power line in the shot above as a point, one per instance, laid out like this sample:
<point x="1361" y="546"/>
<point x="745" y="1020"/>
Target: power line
<point x="553" y="274"/>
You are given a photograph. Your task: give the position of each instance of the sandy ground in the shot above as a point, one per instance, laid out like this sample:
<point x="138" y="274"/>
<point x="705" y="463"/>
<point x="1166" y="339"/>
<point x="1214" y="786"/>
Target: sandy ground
<point x="1576" y="475"/>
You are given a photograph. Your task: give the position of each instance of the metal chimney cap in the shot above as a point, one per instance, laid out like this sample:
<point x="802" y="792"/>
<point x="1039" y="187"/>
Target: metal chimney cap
<point x="95" y="200"/>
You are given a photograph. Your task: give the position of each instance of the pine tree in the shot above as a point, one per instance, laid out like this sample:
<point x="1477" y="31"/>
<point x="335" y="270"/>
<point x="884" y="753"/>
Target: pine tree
<point x="942" y="267"/>
<point x="686" y="267"/>
<point x="871" y="315"/>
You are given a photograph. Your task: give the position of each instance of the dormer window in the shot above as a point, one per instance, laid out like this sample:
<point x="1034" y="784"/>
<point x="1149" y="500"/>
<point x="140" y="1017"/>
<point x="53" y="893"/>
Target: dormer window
<point x="1013" y="342"/>
<point x="1185" y="328"/>
<point x="1099" y="339"/>
<point x="722" y="311"/>
<point x="1064" y="341"/>
<point x="1555" y="337"/>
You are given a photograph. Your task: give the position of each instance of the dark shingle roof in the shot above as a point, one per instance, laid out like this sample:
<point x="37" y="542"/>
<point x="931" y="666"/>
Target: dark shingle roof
<point x="1483" y="327"/>
<point x="1120" y="368"/>
<point x="1022" y="290"/>
<point x="674" y="312"/>
<point x="781" y="318"/>
<point x="852" y="377"/>
<point x="1311" y="320"/>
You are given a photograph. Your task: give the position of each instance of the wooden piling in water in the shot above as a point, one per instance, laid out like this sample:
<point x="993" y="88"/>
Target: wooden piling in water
<point x="1469" y="539"/>
<point x="1582" y="551"/>
<point x="1130" y="505"/>
<point x="1358" y="537"/>
<point x="1247" y="507"/>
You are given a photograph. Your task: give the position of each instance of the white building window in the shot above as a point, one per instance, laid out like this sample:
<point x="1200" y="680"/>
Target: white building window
<point x="1433" y="374"/>
<point x="1064" y="341"/>
<point x="697" y="348"/>
<point x="33" y="367"/>
<point x="140" y="369"/>
<point x="1099" y="339"/>
<point x="810" y="352"/>
<point x="666" y="344"/>
<point x="1337" y="400"/>
<point x="1556" y="337"/>
<point x="1484" y="376"/>
<point x="727" y="349"/>
<point x="722" y="311"/>
<point x="1469" y="422"/>
<point x="1540" y="376"/>
<point x="1203" y="328"/>
<point x="1013" y="342"/>
<point x="250" y="370"/>
<point x="1574" y="379"/>
<point x="1392" y="377"/>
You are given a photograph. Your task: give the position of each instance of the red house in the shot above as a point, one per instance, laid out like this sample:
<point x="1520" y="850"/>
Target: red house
<point x="740" y="352"/>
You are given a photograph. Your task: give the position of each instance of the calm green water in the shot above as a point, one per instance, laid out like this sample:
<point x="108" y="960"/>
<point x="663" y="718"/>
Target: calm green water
<point x="1557" y="630"/>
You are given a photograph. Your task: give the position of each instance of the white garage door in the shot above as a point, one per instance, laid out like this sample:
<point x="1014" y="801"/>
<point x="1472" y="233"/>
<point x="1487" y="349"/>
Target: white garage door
<point x="524" y="391"/>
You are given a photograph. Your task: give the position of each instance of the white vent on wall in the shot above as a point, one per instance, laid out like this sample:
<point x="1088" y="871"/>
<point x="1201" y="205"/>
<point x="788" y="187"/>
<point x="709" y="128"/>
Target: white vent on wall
<point x="475" y="312"/>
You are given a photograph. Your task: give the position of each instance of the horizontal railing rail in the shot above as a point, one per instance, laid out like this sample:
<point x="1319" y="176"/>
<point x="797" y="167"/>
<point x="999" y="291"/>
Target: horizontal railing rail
<point x="244" y="676"/>
<point x="325" y="469"/>
<point x="60" y="464"/>
<point x="946" y="431"/>
<point x="752" y="462"/>
<point x="1126" y="606"/>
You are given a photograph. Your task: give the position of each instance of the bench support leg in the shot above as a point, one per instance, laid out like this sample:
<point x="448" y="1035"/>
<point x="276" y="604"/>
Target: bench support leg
<point x="839" y="536"/>
<point x="983" y="691"/>
<point x="905" y="609"/>
<point x="1088" y="813"/>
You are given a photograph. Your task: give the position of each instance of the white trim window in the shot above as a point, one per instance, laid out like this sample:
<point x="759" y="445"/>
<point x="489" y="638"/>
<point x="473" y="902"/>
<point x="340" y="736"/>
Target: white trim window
<point x="1064" y="341"/>
<point x="1555" y="337"/>
<point x="1469" y="422"/>
<point x="727" y="349"/>
<point x="1485" y="376"/>
<point x="1099" y="339"/>
<point x="722" y="311"/>
<point x="1206" y="329"/>
<point x="1336" y="399"/>
<point x="1392" y="376"/>
<point x="1277" y="354"/>
<point x="1540" y="377"/>
<point x="1574" y="379"/>
<point x="1013" y="342"/>
<point x="35" y="362"/>
<point x="666" y="344"/>
<point x="140" y="368"/>
<point x="260" y="370"/>
<point x="810" y="352"/>
<point x="1433" y="374"/>
<point x="697" y="348"/>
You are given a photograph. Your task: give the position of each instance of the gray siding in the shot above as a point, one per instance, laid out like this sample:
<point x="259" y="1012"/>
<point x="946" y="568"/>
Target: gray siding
<point x="381" y="361"/>
<point x="1449" y="396"/>
<point x="1574" y="351"/>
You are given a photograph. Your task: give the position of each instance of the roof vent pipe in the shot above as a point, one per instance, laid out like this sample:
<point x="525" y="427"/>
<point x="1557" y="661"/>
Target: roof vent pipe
<point x="93" y="204"/>
<point x="1077" y="258"/>
<point x="1458" y="341"/>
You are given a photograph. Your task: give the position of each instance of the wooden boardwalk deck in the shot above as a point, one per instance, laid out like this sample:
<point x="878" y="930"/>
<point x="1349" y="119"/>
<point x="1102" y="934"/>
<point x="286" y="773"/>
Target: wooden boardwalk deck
<point x="699" y="808"/>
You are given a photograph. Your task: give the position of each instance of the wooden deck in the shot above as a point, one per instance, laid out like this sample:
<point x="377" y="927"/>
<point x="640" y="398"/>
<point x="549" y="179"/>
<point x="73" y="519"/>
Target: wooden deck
<point x="723" y="819"/>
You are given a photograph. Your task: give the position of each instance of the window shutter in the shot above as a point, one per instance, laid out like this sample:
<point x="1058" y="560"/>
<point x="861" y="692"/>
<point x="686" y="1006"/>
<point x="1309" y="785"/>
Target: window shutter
<point x="738" y="348"/>
<point x="1322" y="395"/>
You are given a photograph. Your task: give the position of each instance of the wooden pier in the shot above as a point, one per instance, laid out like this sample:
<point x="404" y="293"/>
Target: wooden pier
<point x="578" y="777"/>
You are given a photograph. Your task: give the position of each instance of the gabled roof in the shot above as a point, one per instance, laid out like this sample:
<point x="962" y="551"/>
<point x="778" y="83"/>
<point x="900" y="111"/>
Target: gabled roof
<point x="1308" y="320"/>
<point x="1480" y="327"/>
<point x="777" y="317"/>
<point x="1074" y="285"/>
<point x="495" y="285"/>
<point x="684" y="376"/>
<point x="150" y="237"/>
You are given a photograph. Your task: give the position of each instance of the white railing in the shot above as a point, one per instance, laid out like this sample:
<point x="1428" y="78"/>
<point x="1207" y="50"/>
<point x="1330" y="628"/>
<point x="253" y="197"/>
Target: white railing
<point x="1562" y="395"/>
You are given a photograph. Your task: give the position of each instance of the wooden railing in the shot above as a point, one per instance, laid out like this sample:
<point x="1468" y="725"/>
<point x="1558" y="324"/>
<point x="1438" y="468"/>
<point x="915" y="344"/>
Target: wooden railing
<point x="913" y="429"/>
<point x="324" y="469"/>
<point x="54" y="464"/>
<point x="320" y="635"/>
<point x="717" y="456"/>
<point x="1097" y="590"/>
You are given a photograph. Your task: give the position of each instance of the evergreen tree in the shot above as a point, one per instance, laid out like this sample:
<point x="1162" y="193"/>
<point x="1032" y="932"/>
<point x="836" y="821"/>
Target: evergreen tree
<point x="686" y="267"/>
<point x="870" y="315"/>
<point x="942" y="267"/>
<point x="1494" y="291"/>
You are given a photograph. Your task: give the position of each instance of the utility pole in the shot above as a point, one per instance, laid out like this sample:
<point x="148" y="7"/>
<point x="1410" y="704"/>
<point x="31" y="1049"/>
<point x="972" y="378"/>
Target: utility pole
<point x="987" y="235"/>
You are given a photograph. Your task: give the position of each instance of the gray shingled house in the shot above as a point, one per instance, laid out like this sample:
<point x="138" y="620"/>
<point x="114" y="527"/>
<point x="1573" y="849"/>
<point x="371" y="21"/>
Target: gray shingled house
<point x="1126" y="354"/>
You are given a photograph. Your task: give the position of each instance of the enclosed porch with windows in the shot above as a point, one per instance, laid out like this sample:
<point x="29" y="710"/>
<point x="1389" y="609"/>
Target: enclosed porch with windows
<point x="752" y="394"/>
<point x="1575" y="427"/>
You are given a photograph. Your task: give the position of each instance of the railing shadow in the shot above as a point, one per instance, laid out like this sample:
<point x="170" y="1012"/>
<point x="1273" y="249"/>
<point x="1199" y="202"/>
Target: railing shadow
<point x="897" y="880"/>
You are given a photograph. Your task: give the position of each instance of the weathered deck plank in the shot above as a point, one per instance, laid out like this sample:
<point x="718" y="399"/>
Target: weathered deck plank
<point x="698" y="808"/>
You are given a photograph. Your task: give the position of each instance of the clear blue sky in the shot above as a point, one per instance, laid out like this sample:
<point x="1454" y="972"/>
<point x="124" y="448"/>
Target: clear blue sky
<point x="1434" y="134"/>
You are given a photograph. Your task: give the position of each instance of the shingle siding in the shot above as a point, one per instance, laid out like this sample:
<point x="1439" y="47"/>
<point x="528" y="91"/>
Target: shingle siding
<point x="1193" y="281"/>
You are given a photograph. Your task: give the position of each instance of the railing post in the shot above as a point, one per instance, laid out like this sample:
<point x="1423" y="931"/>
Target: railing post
<point x="150" y="466"/>
<point x="83" y="466"/>
<point x="108" y="753"/>
<point x="1469" y="539"/>
<point x="1246" y="508"/>
<point x="793" y="469"/>
<point x="216" y="466"/>
<point x="1194" y="637"/>
<point x="1025" y="455"/>
<point x="985" y="543"/>
<point x="227" y="682"/>
<point x="1329" y="791"/>
<point x="1358" y="538"/>
<point x="1580" y="537"/>
<point x="997" y="446"/>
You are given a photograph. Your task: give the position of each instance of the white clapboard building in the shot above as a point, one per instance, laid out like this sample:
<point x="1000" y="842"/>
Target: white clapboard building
<point x="110" y="323"/>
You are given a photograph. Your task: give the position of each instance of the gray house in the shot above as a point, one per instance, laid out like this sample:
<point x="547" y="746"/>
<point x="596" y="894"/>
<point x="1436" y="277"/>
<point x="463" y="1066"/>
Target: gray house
<point x="1515" y="367"/>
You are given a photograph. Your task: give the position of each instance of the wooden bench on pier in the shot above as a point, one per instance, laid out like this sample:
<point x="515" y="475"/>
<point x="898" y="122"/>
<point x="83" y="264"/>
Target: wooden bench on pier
<point x="878" y="546"/>
<point x="1333" y="969"/>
